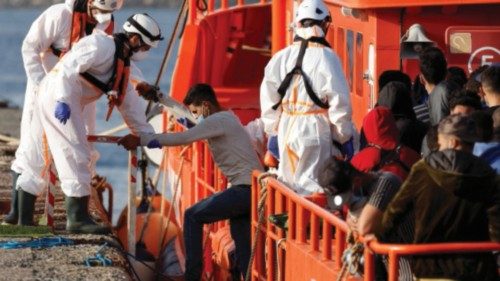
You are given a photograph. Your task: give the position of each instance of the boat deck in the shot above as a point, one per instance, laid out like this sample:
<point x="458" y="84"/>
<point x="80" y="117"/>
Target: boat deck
<point x="60" y="262"/>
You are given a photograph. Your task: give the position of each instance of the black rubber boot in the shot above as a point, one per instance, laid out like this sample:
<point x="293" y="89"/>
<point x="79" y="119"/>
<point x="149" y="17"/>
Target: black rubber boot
<point x="13" y="215"/>
<point x="78" y="219"/>
<point x="26" y="207"/>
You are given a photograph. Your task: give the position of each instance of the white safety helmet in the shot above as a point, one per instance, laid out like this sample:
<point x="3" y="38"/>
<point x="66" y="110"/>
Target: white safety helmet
<point x="107" y="5"/>
<point x="146" y="27"/>
<point x="312" y="9"/>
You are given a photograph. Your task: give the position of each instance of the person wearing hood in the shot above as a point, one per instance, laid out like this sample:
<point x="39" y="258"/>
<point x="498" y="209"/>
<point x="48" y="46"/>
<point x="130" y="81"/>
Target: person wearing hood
<point x="305" y="102"/>
<point x="97" y="65"/>
<point x="396" y="96"/>
<point x="383" y="151"/>
<point x="50" y="36"/>
<point x="454" y="197"/>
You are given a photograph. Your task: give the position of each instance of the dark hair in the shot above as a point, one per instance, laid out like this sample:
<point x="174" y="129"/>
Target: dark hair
<point x="465" y="98"/>
<point x="490" y="79"/>
<point x="457" y="75"/>
<point x="393" y="76"/>
<point x="199" y="93"/>
<point x="484" y="125"/>
<point x="339" y="175"/>
<point x="396" y="97"/>
<point x="432" y="138"/>
<point x="433" y="65"/>
<point x="473" y="83"/>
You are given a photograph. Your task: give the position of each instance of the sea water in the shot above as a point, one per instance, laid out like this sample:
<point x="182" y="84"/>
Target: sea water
<point x="14" y="25"/>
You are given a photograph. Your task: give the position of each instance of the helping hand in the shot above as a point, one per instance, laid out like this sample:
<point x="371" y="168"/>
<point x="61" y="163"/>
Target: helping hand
<point x="129" y="142"/>
<point x="348" y="149"/>
<point x="147" y="91"/>
<point x="62" y="112"/>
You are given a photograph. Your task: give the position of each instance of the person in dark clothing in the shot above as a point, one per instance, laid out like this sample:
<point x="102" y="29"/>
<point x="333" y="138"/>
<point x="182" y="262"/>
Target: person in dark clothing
<point x="384" y="151"/>
<point x="396" y="97"/>
<point x="393" y="76"/>
<point x="455" y="197"/>
<point x="367" y="195"/>
<point x="474" y="83"/>
<point x="433" y="69"/>
<point x="490" y="85"/>
<point x="456" y="75"/>
<point x="464" y="102"/>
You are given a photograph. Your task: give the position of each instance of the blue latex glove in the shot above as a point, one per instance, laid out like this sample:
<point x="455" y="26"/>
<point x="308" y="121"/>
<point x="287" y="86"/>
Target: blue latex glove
<point x="62" y="112"/>
<point x="272" y="146"/>
<point x="348" y="149"/>
<point x="185" y="122"/>
<point x="154" y="144"/>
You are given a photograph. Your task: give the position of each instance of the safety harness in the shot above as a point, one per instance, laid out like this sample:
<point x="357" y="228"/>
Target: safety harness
<point x="80" y="26"/>
<point x="116" y="87"/>
<point x="297" y="70"/>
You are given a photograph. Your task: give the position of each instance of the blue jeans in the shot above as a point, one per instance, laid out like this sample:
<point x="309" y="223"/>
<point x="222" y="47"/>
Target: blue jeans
<point x="233" y="204"/>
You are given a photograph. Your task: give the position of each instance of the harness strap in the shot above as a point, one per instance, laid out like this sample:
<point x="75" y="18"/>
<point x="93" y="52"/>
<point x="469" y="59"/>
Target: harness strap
<point x="118" y="82"/>
<point x="298" y="70"/>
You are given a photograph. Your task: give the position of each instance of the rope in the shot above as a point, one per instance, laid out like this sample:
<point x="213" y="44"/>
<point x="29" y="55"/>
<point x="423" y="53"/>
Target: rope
<point x="278" y="267"/>
<point x="176" y="188"/>
<point x="99" y="259"/>
<point x="352" y="257"/>
<point x="261" y="210"/>
<point x="45" y="242"/>
<point x="168" y="50"/>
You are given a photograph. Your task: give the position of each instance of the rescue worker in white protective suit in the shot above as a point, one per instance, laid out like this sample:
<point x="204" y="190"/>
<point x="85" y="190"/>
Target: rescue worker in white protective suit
<point x="305" y="102"/>
<point x="98" y="64"/>
<point x="51" y="35"/>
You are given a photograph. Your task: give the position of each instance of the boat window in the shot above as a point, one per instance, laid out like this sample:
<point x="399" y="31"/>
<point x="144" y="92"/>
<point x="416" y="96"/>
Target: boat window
<point x="350" y="58"/>
<point x="359" y="64"/>
<point x="340" y="46"/>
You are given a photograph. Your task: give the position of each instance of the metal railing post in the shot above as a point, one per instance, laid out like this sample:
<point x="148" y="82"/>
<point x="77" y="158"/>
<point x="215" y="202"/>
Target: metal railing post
<point x="131" y="216"/>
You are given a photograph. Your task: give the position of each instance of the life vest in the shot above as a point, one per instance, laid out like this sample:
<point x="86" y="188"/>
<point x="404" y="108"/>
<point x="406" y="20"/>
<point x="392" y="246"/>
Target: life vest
<point x="116" y="87"/>
<point x="80" y="26"/>
<point x="298" y="70"/>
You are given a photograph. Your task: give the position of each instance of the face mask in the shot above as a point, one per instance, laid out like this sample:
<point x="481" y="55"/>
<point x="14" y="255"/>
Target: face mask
<point x="139" y="55"/>
<point x="102" y="18"/>
<point x="200" y="118"/>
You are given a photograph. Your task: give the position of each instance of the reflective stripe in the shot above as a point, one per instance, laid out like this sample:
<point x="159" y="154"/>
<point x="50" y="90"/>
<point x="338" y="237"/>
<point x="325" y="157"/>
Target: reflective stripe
<point x="293" y="158"/>
<point x="310" y="112"/>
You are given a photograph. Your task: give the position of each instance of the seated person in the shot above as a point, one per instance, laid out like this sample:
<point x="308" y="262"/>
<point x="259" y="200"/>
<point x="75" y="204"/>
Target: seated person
<point x="383" y="151"/>
<point x="367" y="195"/>
<point x="453" y="197"/>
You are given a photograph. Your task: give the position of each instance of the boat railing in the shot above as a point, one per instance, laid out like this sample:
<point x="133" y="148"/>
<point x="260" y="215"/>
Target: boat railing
<point x="316" y="239"/>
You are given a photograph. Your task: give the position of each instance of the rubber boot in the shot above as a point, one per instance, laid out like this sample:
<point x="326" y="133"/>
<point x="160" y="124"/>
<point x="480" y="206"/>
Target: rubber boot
<point x="78" y="219"/>
<point x="26" y="207"/>
<point x="13" y="215"/>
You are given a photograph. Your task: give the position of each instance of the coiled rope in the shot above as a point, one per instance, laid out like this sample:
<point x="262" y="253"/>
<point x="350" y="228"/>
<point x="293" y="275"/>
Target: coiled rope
<point x="261" y="210"/>
<point x="44" y="242"/>
<point x="352" y="257"/>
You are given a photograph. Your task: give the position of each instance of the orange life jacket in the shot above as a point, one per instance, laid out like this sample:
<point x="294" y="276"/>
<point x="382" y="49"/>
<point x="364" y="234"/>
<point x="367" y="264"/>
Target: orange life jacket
<point x="80" y="26"/>
<point x="118" y="82"/>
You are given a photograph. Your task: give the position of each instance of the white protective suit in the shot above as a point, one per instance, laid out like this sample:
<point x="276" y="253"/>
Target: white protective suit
<point x="68" y="142"/>
<point x="305" y="131"/>
<point x="51" y="28"/>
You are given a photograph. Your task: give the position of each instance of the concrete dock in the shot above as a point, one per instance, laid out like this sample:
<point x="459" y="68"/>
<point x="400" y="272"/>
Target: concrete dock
<point x="55" y="263"/>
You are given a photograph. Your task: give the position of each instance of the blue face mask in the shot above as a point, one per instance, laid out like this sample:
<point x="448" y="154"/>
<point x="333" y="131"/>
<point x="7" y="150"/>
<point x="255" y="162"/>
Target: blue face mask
<point x="200" y="118"/>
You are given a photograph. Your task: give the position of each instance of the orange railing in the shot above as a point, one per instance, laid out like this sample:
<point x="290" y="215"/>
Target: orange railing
<point x="315" y="240"/>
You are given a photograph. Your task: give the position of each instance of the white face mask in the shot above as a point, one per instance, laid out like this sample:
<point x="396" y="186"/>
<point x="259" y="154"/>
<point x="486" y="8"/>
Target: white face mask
<point x="140" y="55"/>
<point x="102" y="18"/>
<point x="200" y="118"/>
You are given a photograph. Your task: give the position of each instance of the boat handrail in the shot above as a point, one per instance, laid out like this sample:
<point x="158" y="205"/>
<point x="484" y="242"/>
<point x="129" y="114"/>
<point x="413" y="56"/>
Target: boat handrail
<point x="210" y="7"/>
<point x="310" y="231"/>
